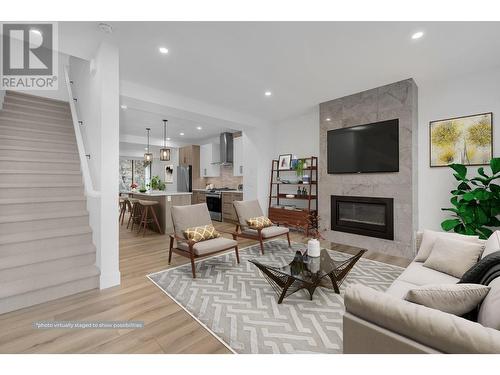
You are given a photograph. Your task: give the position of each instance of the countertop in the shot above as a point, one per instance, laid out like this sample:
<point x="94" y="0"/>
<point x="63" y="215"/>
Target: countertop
<point x="158" y="193"/>
<point x="224" y="191"/>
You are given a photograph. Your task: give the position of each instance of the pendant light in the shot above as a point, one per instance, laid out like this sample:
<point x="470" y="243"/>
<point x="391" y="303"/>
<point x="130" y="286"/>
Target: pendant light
<point x="165" y="152"/>
<point x="148" y="156"/>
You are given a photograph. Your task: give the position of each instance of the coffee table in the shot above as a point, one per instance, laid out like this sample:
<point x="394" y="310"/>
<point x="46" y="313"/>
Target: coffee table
<point x="305" y="272"/>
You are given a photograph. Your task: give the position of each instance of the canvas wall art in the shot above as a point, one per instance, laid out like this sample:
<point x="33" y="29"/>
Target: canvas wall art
<point x="465" y="140"/>
<point x="169" y="174"/>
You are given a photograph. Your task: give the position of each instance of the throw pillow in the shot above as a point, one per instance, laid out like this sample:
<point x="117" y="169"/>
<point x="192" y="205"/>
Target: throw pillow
<point x="483" y="270"/>
<point x="457" y="299"/>
<point x="453" y="257"/>
<point x="492" y="244"/>
<point x="203" y="233"/>
<point x="259" y="222"/>
<point x="429" y="238"/>
<point x="489" y="311"/>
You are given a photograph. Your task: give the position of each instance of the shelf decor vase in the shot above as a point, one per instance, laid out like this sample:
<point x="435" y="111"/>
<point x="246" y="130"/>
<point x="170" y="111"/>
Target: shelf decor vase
<point x="313" y="248"/>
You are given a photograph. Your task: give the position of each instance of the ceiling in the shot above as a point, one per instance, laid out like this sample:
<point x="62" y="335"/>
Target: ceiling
<point x="232" y="64"/>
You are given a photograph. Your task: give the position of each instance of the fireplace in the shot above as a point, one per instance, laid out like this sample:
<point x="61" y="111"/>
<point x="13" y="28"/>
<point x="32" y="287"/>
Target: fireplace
<point x="368" y="216"/>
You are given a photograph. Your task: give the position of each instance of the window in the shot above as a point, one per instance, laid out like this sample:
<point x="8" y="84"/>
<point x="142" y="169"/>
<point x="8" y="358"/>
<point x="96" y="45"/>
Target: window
<point x="132" y="171"/>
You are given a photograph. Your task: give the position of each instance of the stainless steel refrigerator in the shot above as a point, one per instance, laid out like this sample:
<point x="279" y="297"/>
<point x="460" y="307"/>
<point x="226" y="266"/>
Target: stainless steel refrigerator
<point x="184" y="178"/>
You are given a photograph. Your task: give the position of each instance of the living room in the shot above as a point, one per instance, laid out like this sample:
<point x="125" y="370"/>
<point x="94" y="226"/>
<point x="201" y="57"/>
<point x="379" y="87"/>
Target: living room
<point x="259" y="186"/>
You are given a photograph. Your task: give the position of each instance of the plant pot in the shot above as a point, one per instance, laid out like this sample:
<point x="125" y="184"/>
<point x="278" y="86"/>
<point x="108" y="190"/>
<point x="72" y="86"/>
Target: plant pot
<point x="313" y="248"/>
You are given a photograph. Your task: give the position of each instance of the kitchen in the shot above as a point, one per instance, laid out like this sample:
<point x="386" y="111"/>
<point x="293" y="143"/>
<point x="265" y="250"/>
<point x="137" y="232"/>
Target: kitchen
<point x="201" y="167"/>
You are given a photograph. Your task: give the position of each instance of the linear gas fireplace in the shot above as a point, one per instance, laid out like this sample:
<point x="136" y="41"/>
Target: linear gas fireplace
<point x="368" y="216"/>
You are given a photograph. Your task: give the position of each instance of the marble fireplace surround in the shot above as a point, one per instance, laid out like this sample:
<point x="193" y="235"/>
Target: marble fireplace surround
<point x="396" y="100"/>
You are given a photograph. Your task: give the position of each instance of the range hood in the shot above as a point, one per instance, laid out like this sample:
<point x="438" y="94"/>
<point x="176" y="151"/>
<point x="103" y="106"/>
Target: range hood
<point x="226" y="149"/>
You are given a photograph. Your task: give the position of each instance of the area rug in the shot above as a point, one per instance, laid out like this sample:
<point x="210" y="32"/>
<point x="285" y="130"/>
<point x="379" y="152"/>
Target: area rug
<point x="237" y="305"/>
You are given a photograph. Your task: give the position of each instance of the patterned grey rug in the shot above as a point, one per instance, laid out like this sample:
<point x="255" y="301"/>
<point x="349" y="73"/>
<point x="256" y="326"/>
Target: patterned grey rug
<point x="240" y="308"/>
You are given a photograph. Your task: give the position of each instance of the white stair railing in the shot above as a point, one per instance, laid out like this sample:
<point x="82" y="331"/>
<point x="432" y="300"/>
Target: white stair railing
<point x="87" y="178"/>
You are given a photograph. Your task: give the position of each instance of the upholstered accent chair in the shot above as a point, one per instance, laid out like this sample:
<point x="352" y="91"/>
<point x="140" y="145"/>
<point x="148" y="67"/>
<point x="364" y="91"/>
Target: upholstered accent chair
<point x="249" y="209"/>
<point x="196" y="215"/>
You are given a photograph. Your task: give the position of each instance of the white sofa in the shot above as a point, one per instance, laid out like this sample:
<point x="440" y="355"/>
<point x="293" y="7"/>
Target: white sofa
<point x="377" y="322"/>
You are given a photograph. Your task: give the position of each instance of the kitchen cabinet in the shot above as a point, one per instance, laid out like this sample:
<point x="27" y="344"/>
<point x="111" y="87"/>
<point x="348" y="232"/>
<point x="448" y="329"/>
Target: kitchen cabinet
<point x="238" y="156"/>
<point x="209" y="154"/>
<point x="228" y="211"/>
<point x="186" y="156"/>
<point x="198" y="197"/>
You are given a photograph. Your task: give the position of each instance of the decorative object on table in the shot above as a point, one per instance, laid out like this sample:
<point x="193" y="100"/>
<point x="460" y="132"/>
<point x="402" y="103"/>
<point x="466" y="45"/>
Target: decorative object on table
<point x="313" y="247"/>
<point x="164" y="151"/>
<point x="169" y="174"/>
<point x="304" y="191"/>
<point x="314" y="235"/>
<point x="157" y="184"/>
<point x="142" y="189"/>
<point x="289" y="196"/>
<point x="467" y="140"/>
<point x="134" y="186"/>
<point x="299" y="192"/>
<point x="284" y="162"/>
<point x="293" y="162"/>
<point x="476" y="201"/>
<point x="305" y="179"/>
<point x="148" y="156"/>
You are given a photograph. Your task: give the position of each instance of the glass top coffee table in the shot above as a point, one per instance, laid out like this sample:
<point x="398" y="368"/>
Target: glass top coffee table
<point x="305" y="272"/>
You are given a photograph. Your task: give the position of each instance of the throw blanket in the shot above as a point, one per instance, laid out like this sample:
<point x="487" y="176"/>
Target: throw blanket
<point x="484" y="271"/>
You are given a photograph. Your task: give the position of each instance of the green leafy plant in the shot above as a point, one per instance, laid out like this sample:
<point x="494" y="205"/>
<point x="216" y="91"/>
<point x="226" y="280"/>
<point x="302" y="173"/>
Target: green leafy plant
<point x="476" y="201"/>
<point x="157" y="184"/>
<point x="299" y="168"/>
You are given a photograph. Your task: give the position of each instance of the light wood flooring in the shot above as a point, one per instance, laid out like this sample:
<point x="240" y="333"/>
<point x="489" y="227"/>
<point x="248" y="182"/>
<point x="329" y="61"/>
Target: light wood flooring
<point x="168" y="328"/>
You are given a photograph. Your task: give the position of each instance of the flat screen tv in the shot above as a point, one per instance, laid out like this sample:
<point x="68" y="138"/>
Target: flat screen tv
<point x="365" y="148"/>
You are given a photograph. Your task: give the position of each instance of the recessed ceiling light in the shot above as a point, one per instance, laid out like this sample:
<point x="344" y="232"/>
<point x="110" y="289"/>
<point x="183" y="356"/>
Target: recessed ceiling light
<point x="168" y="138"/>
<point x="328" y="119"/>
<point x="268" y="93"/>
<point x="417" y="35"/>
<point x="36" y="31"/>
<point x="106" y="28"/>
<point x="181" y="133"/>
<point x="163" y="50"/>
<point x="199" y="128"/>
<point x="123" y="106"/>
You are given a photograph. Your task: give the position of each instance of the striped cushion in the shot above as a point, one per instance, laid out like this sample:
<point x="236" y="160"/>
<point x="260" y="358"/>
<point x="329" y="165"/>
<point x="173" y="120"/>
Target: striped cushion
<point x="203" y="233"/>
<point x="259" y="222"/>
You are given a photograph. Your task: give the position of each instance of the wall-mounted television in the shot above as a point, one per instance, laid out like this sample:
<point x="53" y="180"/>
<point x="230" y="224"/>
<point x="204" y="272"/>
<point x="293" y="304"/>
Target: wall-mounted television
<point x="366" y="148"/>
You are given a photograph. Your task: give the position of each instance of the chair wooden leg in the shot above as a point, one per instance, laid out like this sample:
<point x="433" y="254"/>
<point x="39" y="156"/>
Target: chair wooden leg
<point x="237" y="254"/>
<point x="130" y="217"/>
<point x="141" y="220"/>
<point x="193" y="270"/>
<point x="156" y="220"/>
<point x="261" y="246"/>
<point x="288" y="238"/>
<point x="146" y="211"/>
<point x="170" y="250"/>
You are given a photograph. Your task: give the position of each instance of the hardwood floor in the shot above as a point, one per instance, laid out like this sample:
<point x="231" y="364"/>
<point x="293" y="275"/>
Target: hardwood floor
<point x="168" y="328"/>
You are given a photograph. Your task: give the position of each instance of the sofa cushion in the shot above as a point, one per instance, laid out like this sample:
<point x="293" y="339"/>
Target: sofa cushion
<point x="209" y="246"/>
<point x="445" y="332"/>
<point x="417" y="274"/>
<point x="429" y="237"/>
<point x="457" y="299"/>
<point x="489" y="312"/>
<point x="267" y="232"/>
<point x="400" y="288"/>
<point x="453" y="257"/>
<point x="492" y="244"/>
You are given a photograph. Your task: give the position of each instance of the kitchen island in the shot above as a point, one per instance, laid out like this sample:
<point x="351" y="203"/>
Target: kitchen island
<point x="166" y="200"/>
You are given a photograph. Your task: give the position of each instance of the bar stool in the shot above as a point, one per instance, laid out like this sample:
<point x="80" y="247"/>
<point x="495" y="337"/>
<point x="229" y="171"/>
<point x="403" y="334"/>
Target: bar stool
<point x="148" y="207"/>
<point x="124" y="203"/>
<point x="135" y="213"/>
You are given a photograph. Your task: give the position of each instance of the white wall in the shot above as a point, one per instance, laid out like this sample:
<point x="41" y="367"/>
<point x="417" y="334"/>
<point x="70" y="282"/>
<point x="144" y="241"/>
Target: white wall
<point x="158" y="168"/>
<point x="466" y="95"/>
<point x="298" y="136"/>
<point x="98" y="93"/>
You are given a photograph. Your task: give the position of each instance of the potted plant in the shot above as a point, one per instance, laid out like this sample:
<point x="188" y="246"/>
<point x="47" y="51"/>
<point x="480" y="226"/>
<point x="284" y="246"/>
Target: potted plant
<point x="314" y="235"/>
<point x="142" y="189"/>
<point x="299" y="168"/>
<point x="157" y="184"/>
<point x="476" y="201"/>
<point x="134" y="186"/>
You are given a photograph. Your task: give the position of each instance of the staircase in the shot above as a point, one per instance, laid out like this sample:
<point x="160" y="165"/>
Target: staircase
<point x="46" y="249"/>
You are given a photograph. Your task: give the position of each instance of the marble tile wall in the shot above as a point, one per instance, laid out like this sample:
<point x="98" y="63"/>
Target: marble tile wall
<point x="396" y="100"/>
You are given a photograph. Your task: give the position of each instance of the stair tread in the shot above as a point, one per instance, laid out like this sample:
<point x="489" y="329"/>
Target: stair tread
<point x="28" y="139"/>
<point x="44" y="234"/>
<point x="40" y="99"/>
<point x="41" y="200"/>
<point x="41" y="216"/>
<point x="35" y="149"/>
<point x="35" y="256"/>
<point x="48" y="108"/>
<point x="37" y="171"/>
<point x="9" y="158"/>
<point x="27" y="185"/>
<point x="67" y="127"/>
<point x="8" y="114"/>
<point x="22" y="286"/>
<point x="36" y="130"/>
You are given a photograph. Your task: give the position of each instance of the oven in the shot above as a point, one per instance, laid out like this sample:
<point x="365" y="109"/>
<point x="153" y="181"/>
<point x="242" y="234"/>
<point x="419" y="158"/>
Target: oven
<point x="214" y="203"/>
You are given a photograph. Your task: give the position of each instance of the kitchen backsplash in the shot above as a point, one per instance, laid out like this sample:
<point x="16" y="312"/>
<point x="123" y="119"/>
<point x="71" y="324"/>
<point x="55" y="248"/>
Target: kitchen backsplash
<point x="226" y="178"/>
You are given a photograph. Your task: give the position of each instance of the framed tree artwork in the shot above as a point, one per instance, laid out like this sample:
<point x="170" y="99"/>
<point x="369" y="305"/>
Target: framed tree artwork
<point x="466" y="140"/>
